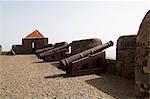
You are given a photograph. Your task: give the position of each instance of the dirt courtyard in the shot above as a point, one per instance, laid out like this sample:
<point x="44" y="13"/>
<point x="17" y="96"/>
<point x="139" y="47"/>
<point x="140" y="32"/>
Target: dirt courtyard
<point x="27" y="77"/>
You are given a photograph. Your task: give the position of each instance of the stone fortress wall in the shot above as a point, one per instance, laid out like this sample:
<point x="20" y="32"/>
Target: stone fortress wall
<point x="142" y="66"/>
<point x="125" y="56"/>
<point x="26" y="47"/>
<point x="81" y="45"/>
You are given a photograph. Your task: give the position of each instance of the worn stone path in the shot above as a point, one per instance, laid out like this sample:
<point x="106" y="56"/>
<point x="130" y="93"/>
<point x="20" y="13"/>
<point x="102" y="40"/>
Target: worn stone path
<point x="26" y="77"/>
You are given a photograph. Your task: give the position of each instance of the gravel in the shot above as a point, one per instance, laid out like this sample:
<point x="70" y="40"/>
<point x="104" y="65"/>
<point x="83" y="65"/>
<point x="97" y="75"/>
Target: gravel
<point x="26" y="77"/>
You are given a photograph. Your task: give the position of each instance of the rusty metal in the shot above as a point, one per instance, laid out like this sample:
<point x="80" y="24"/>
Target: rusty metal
<point x="43" y="50"/>
<point x="65" y="46"/>
<point x="67" y="61"/>
<point x="56" y="56"/>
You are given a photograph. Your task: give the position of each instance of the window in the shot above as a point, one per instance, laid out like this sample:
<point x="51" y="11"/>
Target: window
<point x="33" y="45"/>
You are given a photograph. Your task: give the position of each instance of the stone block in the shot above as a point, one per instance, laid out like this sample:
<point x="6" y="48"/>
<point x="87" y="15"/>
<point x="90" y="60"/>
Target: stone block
<point x="125" y="56"/>
<point x="111" y="66"/>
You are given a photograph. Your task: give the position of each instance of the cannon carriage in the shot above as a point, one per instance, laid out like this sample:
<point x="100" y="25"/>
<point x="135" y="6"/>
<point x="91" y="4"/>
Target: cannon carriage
<point x="88" y="61"/>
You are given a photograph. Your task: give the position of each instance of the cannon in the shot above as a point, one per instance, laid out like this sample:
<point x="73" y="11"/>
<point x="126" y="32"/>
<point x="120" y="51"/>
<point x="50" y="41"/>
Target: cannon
<point x="67" y="61"/>
<point x="83" y="58"/>
<point x="55" y="54"/>
<point x="56" y="47"/>
<point x="43" y="50"/>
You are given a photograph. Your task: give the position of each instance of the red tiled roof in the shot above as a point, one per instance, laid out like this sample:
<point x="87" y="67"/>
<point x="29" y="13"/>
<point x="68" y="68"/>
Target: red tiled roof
<point x="34" y="34"/>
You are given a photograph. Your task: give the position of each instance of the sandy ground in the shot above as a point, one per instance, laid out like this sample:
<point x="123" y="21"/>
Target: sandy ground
<point x="26" y="77"/>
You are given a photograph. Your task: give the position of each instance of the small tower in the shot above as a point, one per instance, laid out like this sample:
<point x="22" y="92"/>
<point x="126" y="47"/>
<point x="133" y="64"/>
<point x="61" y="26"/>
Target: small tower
<point x="30" y="43"/>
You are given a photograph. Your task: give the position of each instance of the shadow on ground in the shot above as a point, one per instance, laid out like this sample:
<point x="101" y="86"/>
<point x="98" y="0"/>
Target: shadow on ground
<point x="39" y="62"/>
<point x="52" y="63"/>
<point x="115" y="86"/>
<point x="57" y="76"/>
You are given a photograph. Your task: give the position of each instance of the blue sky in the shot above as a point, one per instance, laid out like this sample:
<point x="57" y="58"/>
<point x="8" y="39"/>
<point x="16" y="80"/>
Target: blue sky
<point x="70" y="20"/>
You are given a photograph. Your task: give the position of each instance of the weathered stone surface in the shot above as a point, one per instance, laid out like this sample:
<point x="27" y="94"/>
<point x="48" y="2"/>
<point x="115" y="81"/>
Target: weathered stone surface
<point x="126" y="52"/>
<point x="0" y="50"/>
<point x="81" y="45"/>
<point x="142" y="69"/>
<point x="26" y="47"/>
<point x="111" y="66"/>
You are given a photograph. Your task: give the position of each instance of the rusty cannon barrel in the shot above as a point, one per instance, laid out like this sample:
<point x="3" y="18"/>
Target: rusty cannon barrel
<point x="67" y="61"/>
<point x="57" y="49"/>
<point x="43" y="50"/>
<point x="52" y="51"/>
